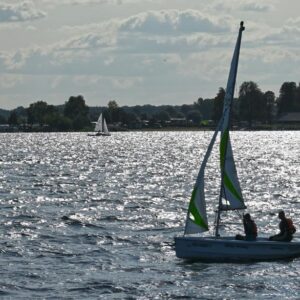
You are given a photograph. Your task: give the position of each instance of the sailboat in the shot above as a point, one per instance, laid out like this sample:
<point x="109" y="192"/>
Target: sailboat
<point x="215" y="248"/>
<point x="100" y="127"/>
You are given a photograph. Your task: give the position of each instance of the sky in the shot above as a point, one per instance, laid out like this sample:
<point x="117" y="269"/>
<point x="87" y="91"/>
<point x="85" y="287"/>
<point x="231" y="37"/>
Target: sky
<point x="142" y="51"/>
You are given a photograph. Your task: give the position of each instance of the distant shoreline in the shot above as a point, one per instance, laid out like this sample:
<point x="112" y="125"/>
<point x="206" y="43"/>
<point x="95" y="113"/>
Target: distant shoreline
<point x="169" y="129"/>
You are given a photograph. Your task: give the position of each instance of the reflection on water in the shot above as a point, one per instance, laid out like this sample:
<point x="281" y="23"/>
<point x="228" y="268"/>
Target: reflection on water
<point x="95" y="217"/>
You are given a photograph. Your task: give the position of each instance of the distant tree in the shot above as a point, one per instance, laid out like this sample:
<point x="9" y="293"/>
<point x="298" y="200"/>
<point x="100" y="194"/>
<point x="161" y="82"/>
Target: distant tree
<point x="63" y="123"/>
<point x="198" y="104"/>
<point x="21" y="113"/>
<point x="153" y="120"/>
<point x="37" y="112"/>
<point x="287" y="97"/>
<point x="250" y="98"/>
<point x="75" y="106"/>
<point x="180" y="115"/>
<point x="195" y="116"/>
<point x="163" y="116"/>
<point x="205" y="107"/>
<point x="77" y="111"/>
<point x="128" y="117"/>
<point x="115" y="112"/>
<point x="3" y="120"/>
<point x="171" y="111"/>
<point x="58" y="122"/>
<point x="268" y="106"/>
<point x="218" y="105"/>
<point x="13" y="118"/>
<point x="144" y="116"/>
<point x="185" y="108"/>
<point x="297" y="98"/>
<point x="112" y="105"/>
<point x="137" y="110"/>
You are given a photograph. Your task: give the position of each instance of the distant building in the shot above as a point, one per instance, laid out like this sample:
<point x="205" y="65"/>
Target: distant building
<point x="178" y="122"/>
<point x="289" y="118"/>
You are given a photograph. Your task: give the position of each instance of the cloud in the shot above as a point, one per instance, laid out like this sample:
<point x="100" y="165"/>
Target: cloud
<point x="287" y="36"/>
<point x="246" y="5"/>
<point x="90" y="2"/>
<point x="9" y="81"/>
<point x="162" y="49"/>
<point x="164" y="31"/>
<point x="24" y="11"/>
<point x="154" y="33"/>
<point x="256" y="6"/>
<point x="125" y="47"/>
<point x="175" y="22"/>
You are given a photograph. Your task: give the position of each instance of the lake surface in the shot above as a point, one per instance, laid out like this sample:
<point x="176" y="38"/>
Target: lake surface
<point x="95" y="217"/>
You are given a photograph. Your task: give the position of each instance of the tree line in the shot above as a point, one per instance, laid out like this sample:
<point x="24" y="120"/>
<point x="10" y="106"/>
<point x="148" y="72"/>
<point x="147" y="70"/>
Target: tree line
<point x="251" y="105"/>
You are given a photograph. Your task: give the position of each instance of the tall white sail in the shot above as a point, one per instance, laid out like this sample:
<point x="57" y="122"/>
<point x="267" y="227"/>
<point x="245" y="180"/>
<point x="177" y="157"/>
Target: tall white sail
<point x="196" y="221"/>
<point x="98" y="126"/>
<point x="230" y="190"/>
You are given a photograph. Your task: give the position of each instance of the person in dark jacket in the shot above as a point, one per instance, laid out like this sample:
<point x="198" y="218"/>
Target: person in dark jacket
<point x="250" y="229"/>
<point x="286" y="227"/>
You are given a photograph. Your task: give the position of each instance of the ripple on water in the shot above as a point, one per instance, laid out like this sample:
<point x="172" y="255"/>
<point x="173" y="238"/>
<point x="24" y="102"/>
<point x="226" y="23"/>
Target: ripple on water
<point x="96" y="218"/>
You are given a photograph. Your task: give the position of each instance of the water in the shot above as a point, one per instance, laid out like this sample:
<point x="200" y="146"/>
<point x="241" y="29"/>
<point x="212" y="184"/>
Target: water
<point x="94" y="218"/>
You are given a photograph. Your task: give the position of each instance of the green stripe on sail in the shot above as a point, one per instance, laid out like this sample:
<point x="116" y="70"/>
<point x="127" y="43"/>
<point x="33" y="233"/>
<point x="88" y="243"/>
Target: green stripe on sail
<point x="229" y="185"/>
<point x="223" y="147"/>
<point x="194" y="211"/>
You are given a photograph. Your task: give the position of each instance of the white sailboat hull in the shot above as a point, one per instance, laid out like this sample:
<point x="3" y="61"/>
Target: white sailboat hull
<point x="99" y="134"/>
<point x="227" y="249"/>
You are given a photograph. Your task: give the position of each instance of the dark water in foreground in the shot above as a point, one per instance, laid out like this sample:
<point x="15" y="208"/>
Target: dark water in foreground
<point x="94" y="218"/>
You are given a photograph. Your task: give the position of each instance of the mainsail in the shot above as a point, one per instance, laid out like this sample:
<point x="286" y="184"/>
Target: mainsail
<point x="230" y="189"/>
<point x="98" y="126"/>
<point x="196" y="221"/>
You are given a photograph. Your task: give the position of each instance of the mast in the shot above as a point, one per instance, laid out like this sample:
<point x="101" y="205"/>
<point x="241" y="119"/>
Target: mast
<point x="228" y="99"/>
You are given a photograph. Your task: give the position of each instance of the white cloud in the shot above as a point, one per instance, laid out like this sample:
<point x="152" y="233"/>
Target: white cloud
<point x="8" y="81"/>
<point x="166" y="54"/>
<point x="90" y="2"/>
<point x="256" y="6"/>
<point x="138" y="46"/>
<point x="293" y="22"/>
<point x="246" y="5"/>
<point x="20" y="12"/>
<point x="175" y="22"/>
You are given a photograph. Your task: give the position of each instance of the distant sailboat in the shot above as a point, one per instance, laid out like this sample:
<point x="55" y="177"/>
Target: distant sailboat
<point x="217" y="248"/>
<point x="100" y="127"/>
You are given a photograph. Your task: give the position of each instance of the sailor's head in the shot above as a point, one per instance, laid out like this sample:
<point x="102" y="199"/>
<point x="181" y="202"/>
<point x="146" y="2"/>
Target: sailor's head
<point x="281" y="214"/>
<point x="247" y="217"/>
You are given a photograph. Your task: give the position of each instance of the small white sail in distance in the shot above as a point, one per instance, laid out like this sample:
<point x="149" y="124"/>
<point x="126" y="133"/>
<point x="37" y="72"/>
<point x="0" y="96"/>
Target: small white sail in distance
<point x="196" y="221"/>
<point x="98" y="126"/>
<point x="105" y="129"/>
